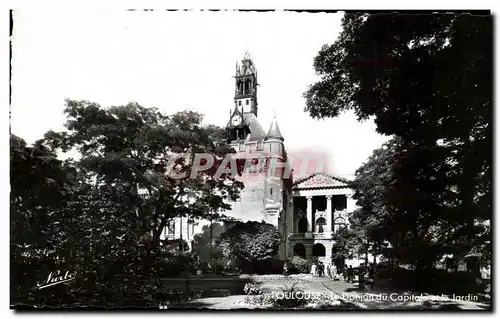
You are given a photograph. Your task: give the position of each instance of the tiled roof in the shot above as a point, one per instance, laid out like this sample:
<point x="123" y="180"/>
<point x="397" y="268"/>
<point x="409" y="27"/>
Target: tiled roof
<point x="257" y="133"/>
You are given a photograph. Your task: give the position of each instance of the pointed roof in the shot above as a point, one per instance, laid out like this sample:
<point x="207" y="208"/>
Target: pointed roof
<point x="247" y="56"/>
<point x="274" y="131"/>
<point x="236" y="111"/>
<point x="257" y="133"/>
<point x="246" y="67"/>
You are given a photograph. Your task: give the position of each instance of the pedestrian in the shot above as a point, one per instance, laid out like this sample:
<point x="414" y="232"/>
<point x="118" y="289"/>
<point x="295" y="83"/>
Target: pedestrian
<point x="363" y="273"/>
<point x="350" y="274"/>
<point x="334" y="272"/>
<point x="371" y="276"/>
<point x="313" y="269"/>
<point x="329" y="271"/>
<point x="344" y="273"/>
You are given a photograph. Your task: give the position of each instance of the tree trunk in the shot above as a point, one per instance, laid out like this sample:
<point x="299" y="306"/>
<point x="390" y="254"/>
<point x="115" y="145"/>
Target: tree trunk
<point x="211" y="250"/>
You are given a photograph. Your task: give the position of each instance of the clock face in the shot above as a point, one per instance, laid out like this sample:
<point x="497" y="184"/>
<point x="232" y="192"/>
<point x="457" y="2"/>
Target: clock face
<point x="236" y="120"/>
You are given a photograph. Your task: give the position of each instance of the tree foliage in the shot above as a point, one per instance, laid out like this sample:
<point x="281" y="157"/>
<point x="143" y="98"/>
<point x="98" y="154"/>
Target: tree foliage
<point x="136" y="149"/>
<point x="102" y="215"/>
<point x="426" y="80"/>
<point x="250" y="241"/>
<point x="205" y="242"/>
<point x="347" y="243"/>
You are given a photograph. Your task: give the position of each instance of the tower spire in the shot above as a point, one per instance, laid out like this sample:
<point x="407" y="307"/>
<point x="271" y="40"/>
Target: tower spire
<point x="246" y="85"/>
<point x="274" y="130"/>
<point x="247" y="56"/>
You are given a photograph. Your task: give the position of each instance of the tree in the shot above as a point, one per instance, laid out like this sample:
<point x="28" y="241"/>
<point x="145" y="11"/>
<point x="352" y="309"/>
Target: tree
<point x="137" y="150"/>
<point x="347" y="243"/>
<point x="250" y="242"/>
<point x="426" y="80"/>
<point x="102" y="214"/>
<point x="204" y="242"/>
<point x="40" y="186"/>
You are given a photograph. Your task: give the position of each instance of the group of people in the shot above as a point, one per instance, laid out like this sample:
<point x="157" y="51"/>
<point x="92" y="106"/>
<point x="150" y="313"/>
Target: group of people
<point x="332" y="271"/>
<point x="366" y="275"/>
<point x="318" y="269"/>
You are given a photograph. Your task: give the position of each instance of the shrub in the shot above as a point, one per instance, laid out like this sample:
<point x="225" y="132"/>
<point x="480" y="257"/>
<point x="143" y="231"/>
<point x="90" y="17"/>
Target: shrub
<point x="299" y="265"/>
<point x="252" y="289"/>
<point x="288" y="300"/>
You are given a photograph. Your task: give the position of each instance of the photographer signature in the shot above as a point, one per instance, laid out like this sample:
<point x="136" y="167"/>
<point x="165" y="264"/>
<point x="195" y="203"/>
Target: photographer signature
<point x="56" y="277"/>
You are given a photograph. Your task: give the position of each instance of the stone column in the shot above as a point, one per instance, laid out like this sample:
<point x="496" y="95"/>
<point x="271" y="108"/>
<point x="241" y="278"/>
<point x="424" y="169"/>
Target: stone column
<point x="309" y="214"/>
<point x="329" y="214"/>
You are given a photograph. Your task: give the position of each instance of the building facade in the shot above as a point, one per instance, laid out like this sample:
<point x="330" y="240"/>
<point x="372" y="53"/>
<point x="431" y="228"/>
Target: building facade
<point x="307" y="212"/>
<point x="322" y="204"/>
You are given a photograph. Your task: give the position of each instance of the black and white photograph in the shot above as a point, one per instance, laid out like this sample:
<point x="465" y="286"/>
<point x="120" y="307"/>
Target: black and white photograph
<point x="244" y="159"/>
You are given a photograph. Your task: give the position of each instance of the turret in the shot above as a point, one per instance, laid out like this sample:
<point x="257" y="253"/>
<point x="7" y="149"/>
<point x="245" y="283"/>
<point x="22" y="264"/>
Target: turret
<point x="274" y="132"/>
<point x="274" y="140"/>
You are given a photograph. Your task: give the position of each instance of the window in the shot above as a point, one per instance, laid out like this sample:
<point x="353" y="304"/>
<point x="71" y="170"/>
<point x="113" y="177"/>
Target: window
<point x="271" y="191"/>
<point x="320" y="225"/>
<point x="260" y="146"/>
<point x="247" y="102"/>
<point x="239" y="103"/>
<point x="170" y="230"/>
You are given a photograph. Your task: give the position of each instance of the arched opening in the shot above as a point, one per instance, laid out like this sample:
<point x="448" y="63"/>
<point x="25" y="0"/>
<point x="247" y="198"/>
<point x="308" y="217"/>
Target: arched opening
<point x="247" y="87"/>
<point x="320" y="225"/>
<point x="319" y="250"/>
<point x="240" y="87"/>
<point x="302" y="225"/>
<point x="299" y="250"/>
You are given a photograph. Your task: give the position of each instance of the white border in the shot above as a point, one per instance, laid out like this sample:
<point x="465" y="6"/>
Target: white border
<point x="184" y="4"/>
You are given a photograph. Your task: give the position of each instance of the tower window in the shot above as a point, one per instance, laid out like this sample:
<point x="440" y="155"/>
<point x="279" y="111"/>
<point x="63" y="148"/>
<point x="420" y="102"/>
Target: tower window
<point x="239" y="102"/>
<point x="271" y="191"/>
<point x="247" y="102"/>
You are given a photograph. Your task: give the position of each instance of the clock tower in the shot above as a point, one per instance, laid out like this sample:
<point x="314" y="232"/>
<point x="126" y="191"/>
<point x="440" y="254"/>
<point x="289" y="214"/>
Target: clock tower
<point x="237" y="128"/>
<point x="245" y="96"/>
<point x="244" y="114"/>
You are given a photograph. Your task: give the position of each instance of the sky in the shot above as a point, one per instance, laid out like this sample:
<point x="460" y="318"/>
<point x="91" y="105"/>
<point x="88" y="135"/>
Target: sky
<point x="180" y="60"/>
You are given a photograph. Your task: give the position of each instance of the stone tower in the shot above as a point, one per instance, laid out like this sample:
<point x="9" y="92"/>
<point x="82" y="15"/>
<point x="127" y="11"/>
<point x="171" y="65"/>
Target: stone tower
<point x="267" y="193"/>
<point x="245" y="97"/>
<point x="274" y="149"/>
